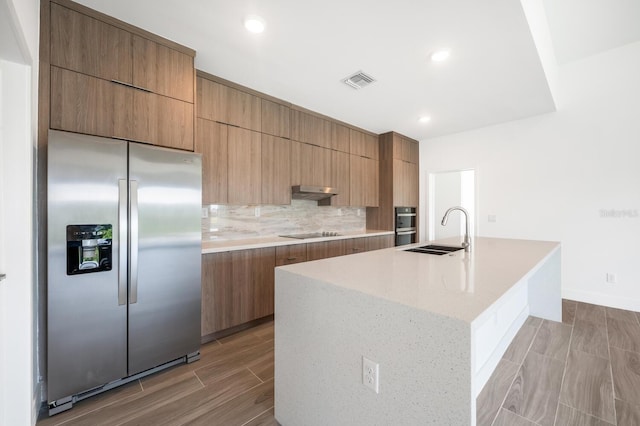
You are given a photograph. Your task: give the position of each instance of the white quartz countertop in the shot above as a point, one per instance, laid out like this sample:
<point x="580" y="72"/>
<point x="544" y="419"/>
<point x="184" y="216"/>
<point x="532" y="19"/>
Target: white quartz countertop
<point x="217" y="246"/>
<point x="458" y="285"/>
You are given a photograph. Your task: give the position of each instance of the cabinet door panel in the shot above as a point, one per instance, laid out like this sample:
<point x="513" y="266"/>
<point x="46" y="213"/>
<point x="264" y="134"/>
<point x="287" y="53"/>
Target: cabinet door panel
<point x="363" y="144"/>
<point x="340" y="137"/>
<point x="379" y="242"/>
<point x="86" y="45"/>
<point x="263" y="262"/>
<point x="371" y="182"/>
<point x="310" y="129"/>
<point x="356" y="180"/>
<point x="325" y="249"/>
<point x="355" y="245"/>
<point x="340" y="178"/>
<point x="276" y="165"/>
<point x="275" y="119"/>
<point x="224" y="104"/>
<point x="244" y="166"/>
<point x="211" y="142"/>
<point x="288" y="255"/>
<point x="217" y="293"/>
<point x="321" y="164"/>
<point x="399" y="183"/>
<point x="162" y="121"/>
<point x="84" y="104"/>
<point x="162" y="70"/>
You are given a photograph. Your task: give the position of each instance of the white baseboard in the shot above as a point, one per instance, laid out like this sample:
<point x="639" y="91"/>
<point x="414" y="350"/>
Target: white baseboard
<point x="601" y="299"/>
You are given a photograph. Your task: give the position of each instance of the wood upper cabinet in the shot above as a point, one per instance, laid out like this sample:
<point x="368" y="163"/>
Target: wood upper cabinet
<point x="276" y="170"/>
<point x="89" y="46"/>
<point x="244" y="166"/>
<point x="405" y="149"/>
<point x="224" y="104"/>
<point x="98" y="70"/>
<point x="363" y="144"/>
<point x="310" y="164"/>
<point x="162" y="70"/>
<point x="275" y="119"/>
<point x="325" y="249"/>
<point x="163" y="121"/>
<point x="340" y="138"/>
<point x="340" y="179"/>
<point x="85" y="104"/>
<point x="379" y="242"/>
<point x="310" y="129"/>
<point x="405" y="183"/>
<point x="364" y="182"/>
<point x="288" y="255"/>
<point x="211" y="142"/>
<point x="237" y="287"/>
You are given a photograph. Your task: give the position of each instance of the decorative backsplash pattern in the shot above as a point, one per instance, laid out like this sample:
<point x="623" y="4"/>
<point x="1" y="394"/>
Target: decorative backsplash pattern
<point x="302" y="216"/>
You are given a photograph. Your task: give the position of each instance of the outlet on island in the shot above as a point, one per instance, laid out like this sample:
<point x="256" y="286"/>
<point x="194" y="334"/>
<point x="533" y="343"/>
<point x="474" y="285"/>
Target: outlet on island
<point x="370" y="374"/>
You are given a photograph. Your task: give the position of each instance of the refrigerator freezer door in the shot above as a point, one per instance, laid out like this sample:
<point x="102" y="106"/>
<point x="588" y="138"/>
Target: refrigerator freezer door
<point x="164" y="314"/>
<point x="87" y="327"/>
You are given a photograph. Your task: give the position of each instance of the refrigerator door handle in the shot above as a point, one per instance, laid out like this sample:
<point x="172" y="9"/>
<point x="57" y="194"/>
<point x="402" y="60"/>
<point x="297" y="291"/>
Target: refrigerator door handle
<point x="122" y="241"/>
<point x="133" y="243"/>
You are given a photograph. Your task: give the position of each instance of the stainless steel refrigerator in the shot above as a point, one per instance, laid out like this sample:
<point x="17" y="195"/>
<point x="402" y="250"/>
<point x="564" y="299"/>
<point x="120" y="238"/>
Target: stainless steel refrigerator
<point x="124" y="249"/>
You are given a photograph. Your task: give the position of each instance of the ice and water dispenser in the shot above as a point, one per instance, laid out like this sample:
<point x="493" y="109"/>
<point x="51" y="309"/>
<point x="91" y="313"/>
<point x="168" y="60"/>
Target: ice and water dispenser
<point x="88" y="248"/>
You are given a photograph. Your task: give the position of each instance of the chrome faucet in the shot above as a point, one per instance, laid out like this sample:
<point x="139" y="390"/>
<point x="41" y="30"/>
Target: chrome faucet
<point x="466" y="244"/>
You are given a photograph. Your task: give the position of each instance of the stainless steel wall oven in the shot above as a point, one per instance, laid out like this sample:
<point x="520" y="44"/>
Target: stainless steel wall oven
<point x="405" y="225"/>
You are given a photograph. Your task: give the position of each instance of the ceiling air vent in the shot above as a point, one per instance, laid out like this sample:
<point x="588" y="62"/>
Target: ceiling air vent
<point x="359" y="80"/>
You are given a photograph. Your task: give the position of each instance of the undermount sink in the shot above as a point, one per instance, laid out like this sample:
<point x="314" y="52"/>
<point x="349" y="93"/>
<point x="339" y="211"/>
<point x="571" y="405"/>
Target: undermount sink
<point x="435" y="249"/>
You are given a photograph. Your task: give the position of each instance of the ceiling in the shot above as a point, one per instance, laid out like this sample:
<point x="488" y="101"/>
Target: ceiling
<point x="493" y="75"/>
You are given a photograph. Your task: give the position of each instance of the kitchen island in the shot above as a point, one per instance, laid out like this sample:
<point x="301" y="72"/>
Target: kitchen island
<point x="436" y="325"/>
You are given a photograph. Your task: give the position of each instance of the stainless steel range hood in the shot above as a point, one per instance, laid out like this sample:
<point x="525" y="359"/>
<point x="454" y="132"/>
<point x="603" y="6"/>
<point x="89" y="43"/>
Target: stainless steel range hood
<point x="314" y="193"/>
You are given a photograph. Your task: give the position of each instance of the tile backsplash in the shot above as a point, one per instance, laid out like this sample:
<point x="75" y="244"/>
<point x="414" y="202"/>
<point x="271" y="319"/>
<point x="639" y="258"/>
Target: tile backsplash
<point x="302" y="216"/>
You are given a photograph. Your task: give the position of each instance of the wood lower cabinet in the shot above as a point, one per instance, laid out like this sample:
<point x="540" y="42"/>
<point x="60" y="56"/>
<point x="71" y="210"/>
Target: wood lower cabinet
<point x="237" y="287"/>
<point x="288" y="255"/>
<point x="325" y="249"/>
<point x="363" y="244"/>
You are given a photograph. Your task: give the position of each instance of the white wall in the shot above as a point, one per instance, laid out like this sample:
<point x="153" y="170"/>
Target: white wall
<point x="550" y="177"/>
<point x="19" y="396"/>
<point x="447" y="192"/>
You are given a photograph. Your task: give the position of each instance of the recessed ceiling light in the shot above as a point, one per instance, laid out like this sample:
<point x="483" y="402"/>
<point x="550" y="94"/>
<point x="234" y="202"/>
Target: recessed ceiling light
<point x="424" y="119"/>
<point x="440" y="55"/>
<point x="254" y="24"/>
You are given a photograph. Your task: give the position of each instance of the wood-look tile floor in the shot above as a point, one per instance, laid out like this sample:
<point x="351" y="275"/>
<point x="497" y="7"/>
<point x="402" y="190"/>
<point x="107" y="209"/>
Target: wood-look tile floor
<point x="583" y="371"/>
<point x="231" y="384"/>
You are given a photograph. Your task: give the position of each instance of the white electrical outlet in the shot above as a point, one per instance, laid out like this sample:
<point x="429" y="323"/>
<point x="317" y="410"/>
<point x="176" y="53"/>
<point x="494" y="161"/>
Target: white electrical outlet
<point x="492" y="218"/>
<point x="205" y="212"/>
<point x="611" y="278"/>
<point x="370" y="374"/>
<point x="257" y="211"/>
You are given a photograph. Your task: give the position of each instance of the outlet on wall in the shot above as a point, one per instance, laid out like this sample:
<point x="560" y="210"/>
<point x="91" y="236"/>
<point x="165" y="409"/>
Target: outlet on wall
<point x="370" y="374"/>
<point x="611" y="278"/>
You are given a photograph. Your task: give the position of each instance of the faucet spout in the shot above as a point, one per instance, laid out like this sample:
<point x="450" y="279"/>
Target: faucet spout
<point x="466" y="244"/>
